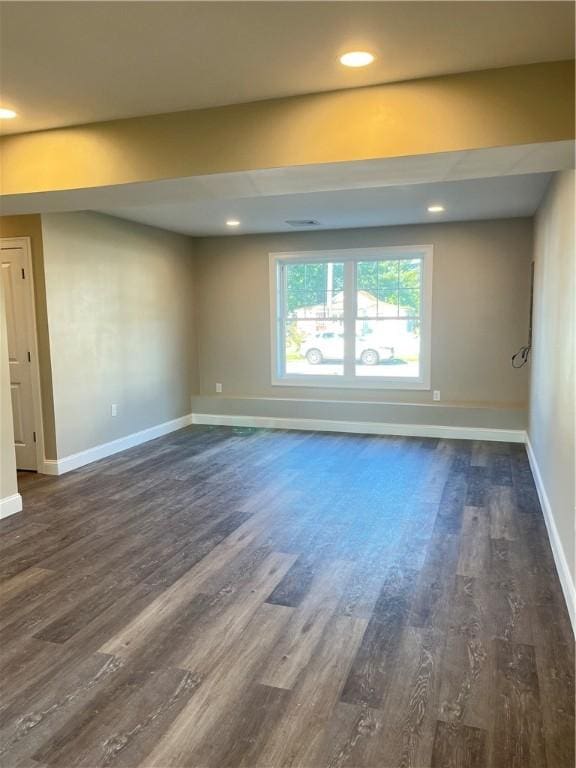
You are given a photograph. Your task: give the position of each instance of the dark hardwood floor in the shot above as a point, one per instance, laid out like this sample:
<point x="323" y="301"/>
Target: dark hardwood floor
<point x="228" y="598"/>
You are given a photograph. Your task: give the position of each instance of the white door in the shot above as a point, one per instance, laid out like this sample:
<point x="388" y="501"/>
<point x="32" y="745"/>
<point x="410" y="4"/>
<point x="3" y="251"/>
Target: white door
<point x="17" y="295"/>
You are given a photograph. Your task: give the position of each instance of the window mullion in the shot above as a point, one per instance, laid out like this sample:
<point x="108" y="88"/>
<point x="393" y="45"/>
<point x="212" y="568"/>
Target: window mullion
<point x="349" y="318"/>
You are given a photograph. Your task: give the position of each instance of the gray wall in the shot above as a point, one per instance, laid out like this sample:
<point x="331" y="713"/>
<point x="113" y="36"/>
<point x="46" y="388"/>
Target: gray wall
<point x="120" y="300"/>
<point x="552" y="395"/>
<point x="479" y="319"/>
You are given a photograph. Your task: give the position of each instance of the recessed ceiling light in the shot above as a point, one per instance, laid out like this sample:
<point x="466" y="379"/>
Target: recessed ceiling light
<point x="232" y="223"/>
<point x="7" y="114"/>
<point x="435" y="208"/>
<point x="356" y="59"/>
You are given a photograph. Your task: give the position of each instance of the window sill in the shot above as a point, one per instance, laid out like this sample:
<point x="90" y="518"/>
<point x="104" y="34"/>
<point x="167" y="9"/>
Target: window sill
<point x="333" y="382"/>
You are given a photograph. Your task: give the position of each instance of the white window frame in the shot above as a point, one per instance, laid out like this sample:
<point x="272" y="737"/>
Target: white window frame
<point x="349" y="256"/>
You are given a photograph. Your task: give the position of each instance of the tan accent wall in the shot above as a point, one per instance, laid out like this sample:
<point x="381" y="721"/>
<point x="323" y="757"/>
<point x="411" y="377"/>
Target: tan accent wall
<point x="553" y="385"/>
<point x="8" y="478"/>
<point x="121" y="319"/>
<point x="479" y="316"/>
<point x="31" y="226"/>
<point x="472" y="110"/>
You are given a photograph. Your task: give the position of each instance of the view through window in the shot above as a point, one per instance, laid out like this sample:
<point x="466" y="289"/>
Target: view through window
<point x="355" y="319"/>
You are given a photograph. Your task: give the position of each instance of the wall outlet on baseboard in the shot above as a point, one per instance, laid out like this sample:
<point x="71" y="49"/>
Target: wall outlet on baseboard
<point x="218" y="387"/>
<point x="436" y="394"/>
<point x="114" y="409"/>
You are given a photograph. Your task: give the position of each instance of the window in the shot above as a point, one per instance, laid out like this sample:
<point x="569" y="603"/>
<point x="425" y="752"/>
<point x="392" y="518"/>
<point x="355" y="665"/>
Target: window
<point x="352" y="318"/>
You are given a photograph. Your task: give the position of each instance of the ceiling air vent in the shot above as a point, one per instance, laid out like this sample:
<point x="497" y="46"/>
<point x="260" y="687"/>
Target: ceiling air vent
<point x="302" y="223"/>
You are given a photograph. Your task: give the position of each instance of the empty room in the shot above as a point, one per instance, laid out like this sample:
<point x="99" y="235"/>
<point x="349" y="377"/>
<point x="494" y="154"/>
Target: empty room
<point x="287" y="391"/>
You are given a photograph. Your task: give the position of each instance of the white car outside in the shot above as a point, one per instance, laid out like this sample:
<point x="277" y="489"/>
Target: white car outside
<point x="330" y="346"/>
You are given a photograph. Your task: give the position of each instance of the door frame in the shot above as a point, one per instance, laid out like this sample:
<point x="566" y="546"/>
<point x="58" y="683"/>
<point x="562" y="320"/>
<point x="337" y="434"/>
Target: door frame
<point x="32" y="339"/>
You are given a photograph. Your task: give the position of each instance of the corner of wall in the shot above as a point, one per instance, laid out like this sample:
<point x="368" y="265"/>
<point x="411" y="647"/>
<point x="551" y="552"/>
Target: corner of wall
<point x="552" y="410"/>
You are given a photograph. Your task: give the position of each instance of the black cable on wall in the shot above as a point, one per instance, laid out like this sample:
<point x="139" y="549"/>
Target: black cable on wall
<point x="521" y="357"/>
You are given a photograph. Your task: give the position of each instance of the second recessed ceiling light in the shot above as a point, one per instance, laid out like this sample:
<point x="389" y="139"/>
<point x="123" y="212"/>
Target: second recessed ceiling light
<point x="356" y="59"/>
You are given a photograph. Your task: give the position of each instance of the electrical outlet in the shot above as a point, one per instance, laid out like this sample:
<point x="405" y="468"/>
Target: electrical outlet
<point x="218" y="387"/>
<point x="114" y="409"/>
<point x="436" y="394"/>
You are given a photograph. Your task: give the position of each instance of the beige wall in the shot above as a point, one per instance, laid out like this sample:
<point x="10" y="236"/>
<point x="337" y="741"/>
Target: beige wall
<point x="121" y="320"/>
<point x="8" y="481"/>
<point x="552" y="396"/>
<point x="31" y="226"/>
<point x="479" y="319"/>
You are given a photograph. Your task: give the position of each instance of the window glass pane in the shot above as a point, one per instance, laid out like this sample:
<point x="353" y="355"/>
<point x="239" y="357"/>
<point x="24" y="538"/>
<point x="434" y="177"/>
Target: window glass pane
<point x="377" y="286"/>
<point x="314" y="347"/>
<point x="367" y="276"/>
<point x="313" y="327"/>
<point x="409" y="303"/>
<point x="388" y="304"/>
<point x="377" y="277"/>
<point x="388" y="275"/>
<point x="314" y="290"/>
<point x="409" y="273"/>
<point x="366" y="303"/>
<point x="385" y="279"/>
<point x="388" y="348"/>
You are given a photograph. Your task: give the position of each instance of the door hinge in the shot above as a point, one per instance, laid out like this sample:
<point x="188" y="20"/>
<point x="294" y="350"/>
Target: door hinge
<point x="29" y="358"/>
<point x="23" y="274"/>
<point x="34" y="433"/>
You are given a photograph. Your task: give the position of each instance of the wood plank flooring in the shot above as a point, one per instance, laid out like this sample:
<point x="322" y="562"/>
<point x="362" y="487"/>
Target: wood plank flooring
<point x="225" y="598"/>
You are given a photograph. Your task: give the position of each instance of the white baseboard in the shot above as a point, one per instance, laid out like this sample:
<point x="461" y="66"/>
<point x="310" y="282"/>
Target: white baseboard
<point x="76" y="460"/>
<point x="10" y="505"/>
<point x="363" y="427"/>
<point x="566" y="578"/>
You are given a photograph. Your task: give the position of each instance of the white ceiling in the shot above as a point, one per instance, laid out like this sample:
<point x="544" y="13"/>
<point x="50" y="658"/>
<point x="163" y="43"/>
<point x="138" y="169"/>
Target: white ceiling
<point x="65" y="63"/>
<point x="477" y="184"/>
<point x="491" y="198"/>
